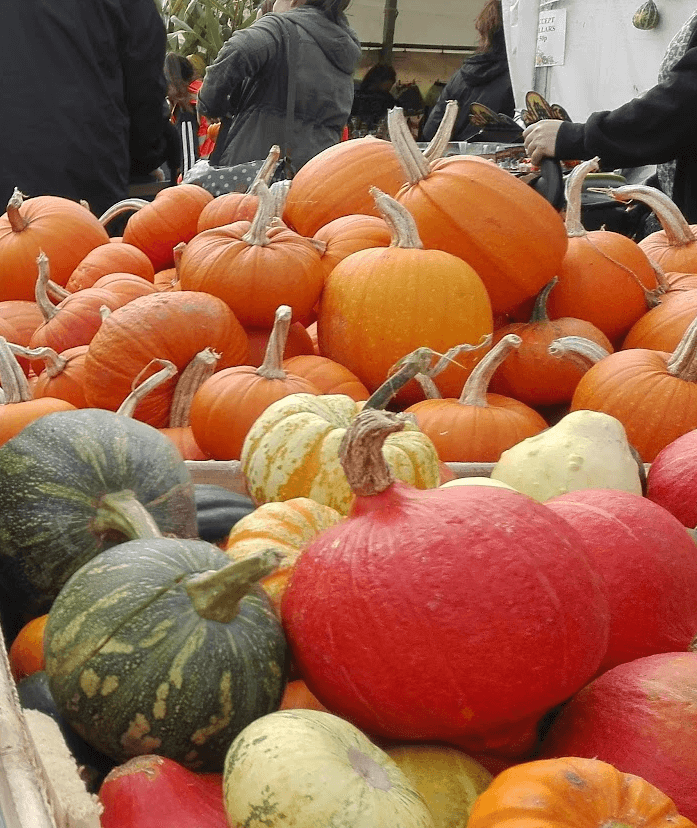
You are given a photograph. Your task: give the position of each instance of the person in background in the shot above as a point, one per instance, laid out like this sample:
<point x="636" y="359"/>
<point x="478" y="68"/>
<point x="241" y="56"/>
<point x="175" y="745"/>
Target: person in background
<point x="82" y="99"/>
<point x="658" y="127"/>
<point x="483" y="78"/>
<point x="250" y="77"/>
<point x="373" y="97"/>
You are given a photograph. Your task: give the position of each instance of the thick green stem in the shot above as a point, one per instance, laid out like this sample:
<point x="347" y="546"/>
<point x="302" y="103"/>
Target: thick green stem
<point x="539" y="311"/>
<point x="122" y="512"/>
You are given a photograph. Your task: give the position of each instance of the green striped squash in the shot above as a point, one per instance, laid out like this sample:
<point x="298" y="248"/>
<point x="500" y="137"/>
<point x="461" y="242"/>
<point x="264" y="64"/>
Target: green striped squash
<point x="646" y="16"/>
<point x="164" y="646"/>
<point x="74" y="483"/>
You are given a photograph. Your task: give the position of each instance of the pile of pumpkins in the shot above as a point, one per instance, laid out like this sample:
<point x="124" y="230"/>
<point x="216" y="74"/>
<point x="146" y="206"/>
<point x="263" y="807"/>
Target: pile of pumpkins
<point x="371" y="642"/>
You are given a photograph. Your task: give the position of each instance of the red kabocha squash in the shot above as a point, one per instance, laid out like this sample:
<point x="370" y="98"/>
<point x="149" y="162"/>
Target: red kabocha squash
<point x="652" y="393"/>
<point x="672" y="479"/>
<point x="347" y="234"/>
<point x="159" y="225"/>
<point x="63" y="230"/>
<point x="255" y="268"/>
<point x="653" y="603"/>
<point x="468" y="206"/>
<point x="156" y="792"/>
<point x="662" y="328"/>
<point x="530" y="373"/>
<point x="641" y="718"/>
<point x="63" y="376"/>
<point x="435" y="300"/>
<point x="586" y="793"/>
<point x="298" y="342"/>
<point x="329" y="376"/>
<point x="460" y="565"/>
<point x="478" y="426"/>
<point x="605" y="277"/>
<point x="113" y="258"/>
<point x="337" y="181"/>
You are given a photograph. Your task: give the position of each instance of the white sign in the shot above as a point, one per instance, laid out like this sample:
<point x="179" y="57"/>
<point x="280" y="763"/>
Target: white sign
<point x="551" y="38"/>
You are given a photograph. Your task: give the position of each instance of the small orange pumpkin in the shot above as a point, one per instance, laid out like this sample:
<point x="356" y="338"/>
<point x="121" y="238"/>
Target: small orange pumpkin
<point x="26" y="652"/>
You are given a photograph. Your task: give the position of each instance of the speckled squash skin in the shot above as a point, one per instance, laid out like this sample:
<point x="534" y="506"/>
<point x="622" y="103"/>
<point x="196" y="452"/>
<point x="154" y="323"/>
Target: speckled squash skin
<point x="135" y="669"/>
<point x="308" y="768"/>
<point x="292" y="450"/>
<point x="53" y="476"/>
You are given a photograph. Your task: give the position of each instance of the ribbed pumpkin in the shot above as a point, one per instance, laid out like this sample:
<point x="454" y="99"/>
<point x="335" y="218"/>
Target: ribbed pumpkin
<point x="345" y="781"/>
<point x="337" y="181"/>
<point x="662" y="328"/>
<point x="435" y="300"/>
<point x="74" y="483"/>
<point x="465" y="205"/>
<point x="64" y="377"/>
<point x="171" y="217"/>
<point x="174" y="326"/>
<point x="586" y="793"/>
<point x="64" y="230"/>
<point x="329" y="376"/>
<point x="165" y="646"/>
<point x="347" y="234"/>
<point x="118" y="257"/>
<point x="255" y="268"/>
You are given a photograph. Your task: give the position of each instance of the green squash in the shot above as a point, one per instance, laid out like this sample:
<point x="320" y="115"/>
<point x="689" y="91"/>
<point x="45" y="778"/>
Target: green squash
<point x="164" y="646"/>
<point x="218" y="510"/>
<point x="646" y="16"/>
<point x="73" y="484"/>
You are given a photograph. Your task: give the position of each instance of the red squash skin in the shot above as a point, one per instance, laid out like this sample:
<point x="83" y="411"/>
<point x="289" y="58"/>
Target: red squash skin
<point x="649" y="564"/>
<point x="640" y="717"/>
<point x="460" y="615"/>
<point x="672" y="479"/>
<point x="156" y="792"/>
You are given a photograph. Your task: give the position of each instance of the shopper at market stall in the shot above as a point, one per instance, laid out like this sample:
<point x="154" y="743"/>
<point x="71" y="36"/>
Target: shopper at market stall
<point x="250" y="77"/>
<point x="373" y="97"/>
<point x="483" y="78"/>
<point x="658" y="127"/>
<point x="83" y="98"/>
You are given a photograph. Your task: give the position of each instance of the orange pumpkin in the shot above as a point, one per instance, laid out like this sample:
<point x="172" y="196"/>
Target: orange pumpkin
<point x="298" y="342"/>
<point x="329" y="376"/>
<point x="347" y="234"/>
<point x="26" y="653"/>
<point x="662" y="328"/>
<point x="64" y="377"/>
<point x="297" y="695"/>
<point x="113" y="258"/>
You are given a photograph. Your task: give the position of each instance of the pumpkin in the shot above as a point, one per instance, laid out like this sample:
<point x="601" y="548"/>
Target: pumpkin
<point x="297" y="342"/>
<point x="587" y="793"/>
<point x="336" y="183"/>
<point x="165" y="646"/>
<point x="226" y="405"/>
<point x="329" y="376"/>
<point x="448" y="779"/>
<point x="478" y="426"/>
<point x="462" y="566"/>
<point x="652" y="602"/>
<point x="298" y="695"/>
<point x="671" y="480"/>
<point x="74" y="483"/>
<point x="159" y="225"/>
<point x="170" y="326"/>
<point x="119" y="257"/>
<point x="530" y="374"/>
<point x="475" y="210"/>
<point x="255" y="268"/>
<point x="436" y="300"/>
<point x="218" y="509"/>
<point x="346" y="779"/>
<point x="640" y="717"/>
<point x="652" y="393"/>
<point x="62" y="229"/>
<point x="662" y="327"/>
<point x="19" y="319"/>
<point x="584" y="450"/>
<point x="63" y="377"/>
<point x="183" y="798"/>
<point x="26" y="653"/>
<point x="347" y="234"/>
<point x="646" y="16"/>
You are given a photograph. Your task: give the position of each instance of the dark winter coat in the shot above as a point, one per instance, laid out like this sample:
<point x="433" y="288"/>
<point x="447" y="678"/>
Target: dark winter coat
<point x="327" y="57"/>
<point x="483" y="78"/>
<point x="654" y="128"/>
<point x="81" y="98"/>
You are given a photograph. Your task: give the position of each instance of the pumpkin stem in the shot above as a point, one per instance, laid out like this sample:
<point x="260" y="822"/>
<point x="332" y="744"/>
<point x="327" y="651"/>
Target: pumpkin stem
<point x="46" y="306"/>
<point x="12" y="380"/>
<point x="191" y="379"/>
<point x="257" y="233"/>
<point x="122" y="512"/>
<point x="399" y="220"/>
<point x="678" y="231"/>
<point x="444" y="133"/>
<point x="477" y="385"/>
<point x="361" y="453"/>
<point x="55" y="363"/>
<point x="572" y="193"/>
<point x="129" y="405"/>
<point x="104" y="312"/>
<point x="267" y="168"/>
<point x="216" y="594"/>
<point x="539" y="311"/>
<point x="428" y="386"/>
<point x="272" y="366"/>
<point x="56" y="291"/>
<point x="582" y="352"/>
<point x="412" y="160"/>
<point x="279" y="190"/>
<point x="417" y="362"/>
<point x="128" y="205"/>
<point x="15" y="218"/>
<point x="450" y="355"/>
<point x="683" y="362"/>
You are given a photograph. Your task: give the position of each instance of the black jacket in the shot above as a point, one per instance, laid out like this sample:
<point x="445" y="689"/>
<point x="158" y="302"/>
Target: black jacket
<point x="483" y="78"/>
<point x="656" y="127"/>
<point x="81" y="98"/>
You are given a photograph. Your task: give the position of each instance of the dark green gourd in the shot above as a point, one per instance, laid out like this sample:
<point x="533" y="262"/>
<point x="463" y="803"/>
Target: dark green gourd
<point x="165" y="646"/>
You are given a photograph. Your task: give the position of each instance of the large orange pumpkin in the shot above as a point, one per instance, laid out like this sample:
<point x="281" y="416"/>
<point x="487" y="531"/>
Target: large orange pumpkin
<point x="118" y="257"/>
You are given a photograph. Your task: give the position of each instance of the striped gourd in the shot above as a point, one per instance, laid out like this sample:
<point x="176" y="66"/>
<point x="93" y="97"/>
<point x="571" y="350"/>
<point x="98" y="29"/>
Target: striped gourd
<point x="646" y="16"/>
<point x="165" y="646"/>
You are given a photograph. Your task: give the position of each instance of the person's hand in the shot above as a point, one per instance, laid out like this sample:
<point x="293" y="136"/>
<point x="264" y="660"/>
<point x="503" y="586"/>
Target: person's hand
<point x="540" y="139"/>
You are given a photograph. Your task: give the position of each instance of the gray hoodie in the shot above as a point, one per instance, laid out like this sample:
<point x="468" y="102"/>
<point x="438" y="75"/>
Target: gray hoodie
<point x="250" y="73"/>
